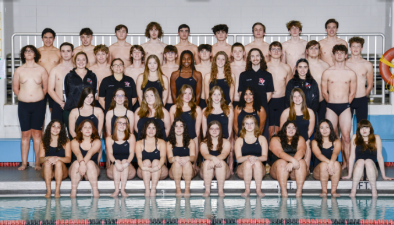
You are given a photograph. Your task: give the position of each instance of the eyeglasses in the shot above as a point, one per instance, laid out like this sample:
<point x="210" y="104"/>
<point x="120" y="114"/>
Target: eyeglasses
<point x="122" y="124"/>
<point x="119" y="96"/>
<point x="29" y="51"/>
<point x="276" y="50"/>
<point x="117" y="66"/>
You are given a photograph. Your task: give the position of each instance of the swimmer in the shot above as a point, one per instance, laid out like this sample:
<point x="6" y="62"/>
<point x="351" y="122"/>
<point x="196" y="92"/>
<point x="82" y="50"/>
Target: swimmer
<point x="121" y="48"/>
<point x="238" y="66"/>
<point x="258" y="30"/>
<point x="221" y="32"/>
<point x="294" y="48"/>
<point x="154" y="46"/>
<point x="30" y="84"/>
<point x="56" y="77"/>
<point x="339" y="86"/>
<point x="137" y="58"/>
<point x="364" y="72"/>
<point x="86" y="36"/>
<point x="185" y="44"/>
<point x="330" y="41"/>
<point x="101" y="68"/>
<point x="170" y="56"/>
<point x="205" y="55"/>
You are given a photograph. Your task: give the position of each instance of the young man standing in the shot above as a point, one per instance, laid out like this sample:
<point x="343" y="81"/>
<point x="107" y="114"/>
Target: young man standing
<point x="56" y="77"/>
<point x="30" y="84"/>
<point x="102" y="67"/>
<point x="258" y="30"/>
<point x="256" y="75"/>
<point x="205" y="54"/>
<point x="170" y="56"/>
<point x="317" y="67"/>
<point x="281" y="73"/>
<point x="364" y="72"/>
<point x="294" y="48"/>
<point x="86" y="35"/>
<point x="221" y="32"/>
<point x="184" y="44"/>
<point x="154" y="46"/>
<point x="121" y="48"/>
<point x="339" y="85"/>
<point x="237" y="67"/>
<point x="137" y="59"/>
<point x="328" y="43"/>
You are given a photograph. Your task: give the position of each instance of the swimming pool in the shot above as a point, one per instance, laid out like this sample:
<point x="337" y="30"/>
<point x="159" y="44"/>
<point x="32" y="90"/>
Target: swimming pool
<point x="38" y="208"/>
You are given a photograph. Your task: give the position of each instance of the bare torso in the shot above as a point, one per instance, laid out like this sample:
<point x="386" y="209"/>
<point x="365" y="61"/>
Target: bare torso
<point x="59" y="72"/>
<point x="204" y="70"/>
<point x="317" y="70"/>
<point x="30" y="83"/>
<point x="280" y="73"/>
<point x="101" y="72"/>
<point x="264" y="48"/>
<point x="191" y="47"/>
<point x="217" y="48"/>
<point x="294" y="50"/>
<point x="361" y="68"/>
<point x="326" y="49"/>
<point x="237" y="70"/>
<point x="89" y="52"/>
<point x="154" y="48"/>
<point x="167" y="70"/>
<point x="339" y="84"/>
<point x="50" y="57"/>
<point x="133" y="72"/>
<point x="120" y="51"/>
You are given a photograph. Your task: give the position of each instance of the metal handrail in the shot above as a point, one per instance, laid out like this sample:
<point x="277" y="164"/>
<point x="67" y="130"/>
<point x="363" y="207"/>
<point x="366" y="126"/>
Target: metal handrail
<point x="211" y="35"/>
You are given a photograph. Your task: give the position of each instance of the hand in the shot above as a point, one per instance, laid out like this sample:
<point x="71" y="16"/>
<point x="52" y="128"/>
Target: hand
<point x="125" y="164"/>
<point x="52" y="160"/>
<point x="330" y="168"/>
<point x="387" y="178"/>
<point x="82" y="168"/>
<point x="217" y="162"/>
<point x="211" y="164"/>
<point x="62" y="105"/>
<point x="155" y="168"/>
<point x="289" y="167"/>
<point x="295" y="163"/>
<point x="348" y="177"/>
<point x="118" y="166"/>
<point x="252" y="159"/>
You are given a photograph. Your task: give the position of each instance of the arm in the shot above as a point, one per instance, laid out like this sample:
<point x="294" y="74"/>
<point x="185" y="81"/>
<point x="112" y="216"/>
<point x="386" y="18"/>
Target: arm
<point x="204" y="124"/>
<point x="284" y="53"/>
<point x="316" y="151"/>
<point x="108" y="148"/>
<point x="289" y="75"/>
<point x="284" y="117"/>
<point x="315" y="102"/>
<point x="132" y="148"/>
<point x="199" y="87"/>
<point x="232" y="89"/>
<point x="301" y="149"/>
<point x="353" y="87"/>
<point x="138" y="153"/>
<point x="44" y="77"/>
<point x="225" y="151"/>
<point x="324" y="86"/>
<point x="206" y="85"/>
<point x="139" y="89"/>
<point x="311" y="122"/>
<point x="136" y="118"/>
<point x="240" y="84"/>
<point x="165" y="90"/>
<point x="238" y="152"/>
<point x="230" y="122"/>
<point x="196" y="56"/>
<point x="289" y="88"/>
<point x="51" y="88"/>
<point x="198" y="120"/>
<point x="172" y="113"/>
<point x="71" y="122"/>
<point x="42" y="158"/>
<point x="100" y="115"/>
<point x="269" y="95"/>
<point x="102" y="94"/>
<point x="380" y="158"/>
<point x="130" y="116"/>
<point x="173" y="86"/>
<point x="369" y="79"/>
<point x="235" y="124"/>
<point x="264" y="149"/>
<point x="263" y="118"/>
<point x="102" y="102"/>
<point x="162" y="148"/>
<point x="351" y="158"/>
<point x="15" y="82"/>
<point x="108" y="119"/>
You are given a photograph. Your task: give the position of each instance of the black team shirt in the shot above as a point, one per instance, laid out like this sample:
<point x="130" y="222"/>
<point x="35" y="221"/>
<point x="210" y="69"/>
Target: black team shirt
<point x="260" y="80"/>
<point x="109" y="85"/>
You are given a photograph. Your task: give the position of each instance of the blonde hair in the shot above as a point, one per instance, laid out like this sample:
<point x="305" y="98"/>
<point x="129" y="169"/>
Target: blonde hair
<point x="159" y="72"/>
<point x="304" y="108"/>
<point x="179" y="102"/>
<point x="256" y="132"/>
<point x="158" y="106"/>
<point x="227" y="69"/>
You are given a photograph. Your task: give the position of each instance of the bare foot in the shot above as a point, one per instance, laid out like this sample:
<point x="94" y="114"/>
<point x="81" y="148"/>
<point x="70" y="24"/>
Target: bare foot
<point x="48" y="195"/>
<point x="37" y="167"/>
<point x="73" y="193"/>
<point x="374" y="193"/>
<point x="284" y="194"/>
<point x="147" y="193"/>
<point x="124" y="194"/>
<point x="22" y="167"/>
<point x="259" y="193"/>
<point x="335" y="194"/>
<point x="221" y="194"/>
<point x="187" y="192"/>
<point x="115" y="194"/>
<point x="153" y="192"/>
<point x="57" y="193"/>
<point x="352" y="193"/>
<point x="246" y="193"/>
<point x="206" y="194"/>
<point x="299" y="193"/>
<point x="323" y="194"/>
<point x="96" y="194"/>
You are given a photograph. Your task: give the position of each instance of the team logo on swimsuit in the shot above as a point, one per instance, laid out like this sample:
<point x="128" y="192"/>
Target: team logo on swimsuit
<point x="127" y="84"/>
<point x="308" y="85"/>
<point x="89" y="81"/>
<point x="261" y="81"/>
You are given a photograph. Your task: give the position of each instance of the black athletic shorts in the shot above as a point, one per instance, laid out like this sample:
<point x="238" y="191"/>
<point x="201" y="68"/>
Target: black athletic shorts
<point x="360" y="107"/>
<point x="276" y="107"/>
<point x="321" y="111"/>
<point x="57" y="112"/>
<point x="31" y="114"/>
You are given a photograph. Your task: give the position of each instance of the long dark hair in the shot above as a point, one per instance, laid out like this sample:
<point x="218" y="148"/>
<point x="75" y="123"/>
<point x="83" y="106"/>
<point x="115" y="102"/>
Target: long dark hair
<point x="85" y="92"/>
<point x="256" y="99"/>
<point x="172" y="138"/>
<point x="158" y="129"/>
<point x="192" y="64"/>
<point x="282" y="134"/>
<point x="359" y="141"/>
<point x="318" y="136"/>
<point x="308" y="74"/>
<point x="263" y="64"/>
<point x="208" y="138"/>
<point x="61" y="141"/>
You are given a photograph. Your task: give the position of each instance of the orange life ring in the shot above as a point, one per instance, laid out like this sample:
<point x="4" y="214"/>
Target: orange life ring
<point x="384" y="65"/>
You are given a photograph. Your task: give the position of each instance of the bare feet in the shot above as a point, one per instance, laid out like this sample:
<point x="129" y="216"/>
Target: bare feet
<point x="22" y="167"/>
<point x="57" y="193"/>
<point x="299" y="193"/>
<point x="187" y="193"/>
<point x="153" y="192"/>
<point x="374" y="193"/>
<point x="147" y="192"/>
<point x="96" y="194"/>
<point x="221" y="193"/>
<point x="124" y="194"/>
<point x="246" y="193"/>
<point x="178" y="193"/>
<point x="352" y="193"/>
<point x="323" y="194"/>
<point x="37" y="167"/>
<point x="335" y="194"/>
<point x="284" y="194"/>
<point x="115" y="194"/>
<point x="48" y="195"/>
<point x="259" y="193"/>
<point x="73" y="193"/>
<point x="206" y="194"/>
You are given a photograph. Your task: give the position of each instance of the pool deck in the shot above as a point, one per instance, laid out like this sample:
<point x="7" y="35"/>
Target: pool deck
<point x="30" y="183"/>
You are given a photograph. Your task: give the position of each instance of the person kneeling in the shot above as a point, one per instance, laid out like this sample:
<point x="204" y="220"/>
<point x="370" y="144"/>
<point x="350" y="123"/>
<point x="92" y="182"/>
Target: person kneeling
<point x="181" y="151"/>
<point x="215" y="150"/>
<point x="251" y="150"/>
<point x="54" y="158"/>
<point x="288" y="149"/>
<point x="120" y="153"/>
<point x="86" y="163"/>
<point x="151" y="155"/>
<point x="366" y="150"/>
<point x="326" y="147"/>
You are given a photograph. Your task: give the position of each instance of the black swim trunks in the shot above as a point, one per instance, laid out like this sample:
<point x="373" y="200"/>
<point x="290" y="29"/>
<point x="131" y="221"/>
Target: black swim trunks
<point x="31" y="114"/>
<point x="276" y="107"/>
<point x="57" y="112"/>
<point x="338" y="108"/>
<point x="321" y="111"/>
<point x="203" y="104"/>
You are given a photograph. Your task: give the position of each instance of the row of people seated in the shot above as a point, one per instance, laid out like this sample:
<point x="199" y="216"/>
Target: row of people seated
<point x="286" y="152"/>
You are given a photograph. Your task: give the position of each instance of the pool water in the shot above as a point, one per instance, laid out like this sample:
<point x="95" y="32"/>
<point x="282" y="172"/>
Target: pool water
<point x="39" y="208"/>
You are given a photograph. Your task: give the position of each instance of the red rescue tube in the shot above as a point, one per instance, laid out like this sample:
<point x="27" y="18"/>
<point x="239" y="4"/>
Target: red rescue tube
<point x="385" y="69"/>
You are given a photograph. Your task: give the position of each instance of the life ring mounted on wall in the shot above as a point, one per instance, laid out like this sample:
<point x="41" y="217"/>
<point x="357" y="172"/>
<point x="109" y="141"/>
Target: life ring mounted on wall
<point x="384" y="68"/>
